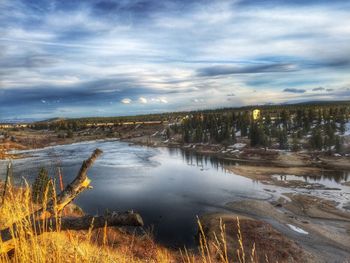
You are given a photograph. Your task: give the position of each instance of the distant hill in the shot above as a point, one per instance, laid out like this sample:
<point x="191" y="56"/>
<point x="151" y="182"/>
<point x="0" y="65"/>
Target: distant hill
<point x="167" y="115"/>
<point x="52" y="120"/>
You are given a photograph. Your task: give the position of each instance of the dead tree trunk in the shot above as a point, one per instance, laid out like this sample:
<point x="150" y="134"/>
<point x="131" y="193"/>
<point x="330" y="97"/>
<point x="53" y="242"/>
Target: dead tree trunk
<point x="9" y="174"/>
<point x="50" y="216"/>
<point x="77" y="223"/>
<point x="79" y="184"/>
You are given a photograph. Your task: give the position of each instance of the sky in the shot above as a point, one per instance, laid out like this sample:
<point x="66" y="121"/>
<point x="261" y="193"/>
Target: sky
<point x="109" y="58"/>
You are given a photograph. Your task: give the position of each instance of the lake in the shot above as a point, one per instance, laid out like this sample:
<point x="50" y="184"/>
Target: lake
<point x="168" y="187"/>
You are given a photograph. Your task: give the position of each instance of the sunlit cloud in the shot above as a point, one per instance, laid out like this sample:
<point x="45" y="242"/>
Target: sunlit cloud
<point x="126" y="101"/>
<point x="142" y="100"/>
<point x="160" y="100"/>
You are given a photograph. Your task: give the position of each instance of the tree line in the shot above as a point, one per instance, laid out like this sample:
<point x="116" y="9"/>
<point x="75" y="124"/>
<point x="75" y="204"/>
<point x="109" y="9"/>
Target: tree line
<point x="317" y="128"/>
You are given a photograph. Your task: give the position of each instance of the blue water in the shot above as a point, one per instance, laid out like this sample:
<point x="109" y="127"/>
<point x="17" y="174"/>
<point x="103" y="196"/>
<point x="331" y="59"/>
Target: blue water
<point x="168" y="187"/>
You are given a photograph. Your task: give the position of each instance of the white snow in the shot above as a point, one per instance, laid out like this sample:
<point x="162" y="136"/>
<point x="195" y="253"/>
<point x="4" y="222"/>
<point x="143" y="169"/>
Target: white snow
<point x="237" y="146"/>
<point x="298" y="229"/>
<point x="154" y="134"/>
<point x="347" y="129"/>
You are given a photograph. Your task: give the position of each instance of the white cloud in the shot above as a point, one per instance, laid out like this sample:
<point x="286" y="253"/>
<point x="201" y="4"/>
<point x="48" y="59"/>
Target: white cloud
<point x="160" y="100"/>
<point x="196" y="100"/>
<point x="126" y="101"/>
<point x="163" y="100"/>
<point x="142" y="100"/>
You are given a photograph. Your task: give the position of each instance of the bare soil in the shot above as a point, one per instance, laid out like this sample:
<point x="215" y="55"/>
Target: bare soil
<point x="270" y="244"/>
<point x="328" y="237"/>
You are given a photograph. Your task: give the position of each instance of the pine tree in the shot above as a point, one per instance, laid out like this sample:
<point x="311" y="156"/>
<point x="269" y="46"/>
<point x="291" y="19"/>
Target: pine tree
<point x="257" y="135"/>
<point x="282" y="139"/>
<point x="338" y="144"/>
<point x="316" y="140"/>
<point x="42" y="184"/>
<point x="295" y="143"/>
<point x="233" y="134"/>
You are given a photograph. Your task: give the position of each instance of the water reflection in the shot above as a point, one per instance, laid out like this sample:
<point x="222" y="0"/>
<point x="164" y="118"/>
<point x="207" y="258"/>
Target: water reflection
<point x="201" y="160"/>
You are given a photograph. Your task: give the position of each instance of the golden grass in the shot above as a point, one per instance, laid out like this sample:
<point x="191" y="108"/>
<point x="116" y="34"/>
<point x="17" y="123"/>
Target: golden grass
<point x="102" y="245"/>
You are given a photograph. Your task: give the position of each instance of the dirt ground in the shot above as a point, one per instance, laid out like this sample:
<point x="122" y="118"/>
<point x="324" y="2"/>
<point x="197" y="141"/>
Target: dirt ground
<point x="270" y="244"/>
<point x="7" y="146"/>
<point x="327" y="228"/>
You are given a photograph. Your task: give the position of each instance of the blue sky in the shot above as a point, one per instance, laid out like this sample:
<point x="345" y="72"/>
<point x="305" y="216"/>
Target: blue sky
<point x="107" y="58"/>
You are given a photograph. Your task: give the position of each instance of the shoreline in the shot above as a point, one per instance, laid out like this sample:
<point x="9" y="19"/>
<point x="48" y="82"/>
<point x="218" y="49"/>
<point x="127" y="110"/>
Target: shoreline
<point x="32" y="139"/>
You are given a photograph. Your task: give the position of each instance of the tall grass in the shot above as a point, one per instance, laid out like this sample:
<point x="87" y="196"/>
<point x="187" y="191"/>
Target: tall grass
<point x="64" y="246"/>
<point x="103" y="245"/>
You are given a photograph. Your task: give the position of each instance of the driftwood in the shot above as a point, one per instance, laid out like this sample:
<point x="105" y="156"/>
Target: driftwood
<point x="51" y="215"/>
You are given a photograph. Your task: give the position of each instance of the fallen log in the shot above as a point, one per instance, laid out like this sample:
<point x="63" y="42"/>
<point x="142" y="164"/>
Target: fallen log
<point x="77" y="223"/>
<point x="49" y="218"/>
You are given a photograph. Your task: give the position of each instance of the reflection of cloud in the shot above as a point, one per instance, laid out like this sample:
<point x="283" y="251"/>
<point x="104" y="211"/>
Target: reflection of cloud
<point x="293" y="90"/>
<point x="126" y="101"/>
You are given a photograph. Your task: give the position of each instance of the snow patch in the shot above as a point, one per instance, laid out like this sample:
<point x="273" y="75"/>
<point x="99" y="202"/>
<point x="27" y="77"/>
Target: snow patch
<point x="237" y="146"/>
<point x="347" y="129"/>
<point x="154" y="134"/>
<point x="298" y="229"/>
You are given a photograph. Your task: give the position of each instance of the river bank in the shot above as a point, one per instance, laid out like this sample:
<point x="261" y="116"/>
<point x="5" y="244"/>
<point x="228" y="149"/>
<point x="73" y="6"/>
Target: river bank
<point x="153" y="136"/>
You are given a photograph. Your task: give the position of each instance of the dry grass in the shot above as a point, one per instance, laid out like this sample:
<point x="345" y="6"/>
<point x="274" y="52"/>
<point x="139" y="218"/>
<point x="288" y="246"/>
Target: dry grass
<point x="102" y="245"/>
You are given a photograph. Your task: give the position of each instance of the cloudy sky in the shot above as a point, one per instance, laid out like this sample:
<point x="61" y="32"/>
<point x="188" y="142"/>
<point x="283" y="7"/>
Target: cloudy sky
<point x="125" y="57"/>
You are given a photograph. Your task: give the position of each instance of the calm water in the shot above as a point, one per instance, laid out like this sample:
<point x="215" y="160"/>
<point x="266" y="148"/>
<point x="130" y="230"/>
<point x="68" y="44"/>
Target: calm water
<point x="168" y="187"/>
